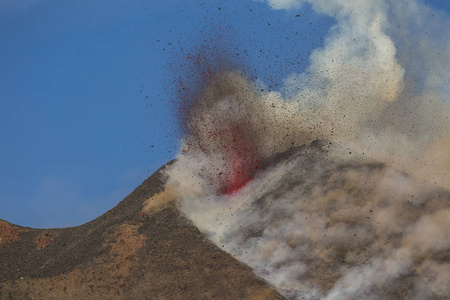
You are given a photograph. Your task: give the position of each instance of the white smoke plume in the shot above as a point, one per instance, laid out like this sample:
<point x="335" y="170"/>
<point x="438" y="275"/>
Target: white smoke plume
<point x="381" y="82"/>
<point x="362" y="214"/>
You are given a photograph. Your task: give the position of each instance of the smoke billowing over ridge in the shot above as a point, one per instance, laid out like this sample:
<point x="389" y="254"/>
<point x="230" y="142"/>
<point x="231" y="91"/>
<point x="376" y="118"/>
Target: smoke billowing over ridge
<point x="334" y="219"/>
<point x="327" y="224"/>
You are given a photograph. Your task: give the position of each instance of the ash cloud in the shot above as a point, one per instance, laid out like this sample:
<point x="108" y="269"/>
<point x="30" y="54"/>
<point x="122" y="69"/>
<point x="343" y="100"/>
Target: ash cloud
<point x="361" y="214"/>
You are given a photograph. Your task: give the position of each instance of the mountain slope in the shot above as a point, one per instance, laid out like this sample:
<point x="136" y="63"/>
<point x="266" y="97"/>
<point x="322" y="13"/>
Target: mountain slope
<point x="123" y="254"/>
<point x="317" y="222"/>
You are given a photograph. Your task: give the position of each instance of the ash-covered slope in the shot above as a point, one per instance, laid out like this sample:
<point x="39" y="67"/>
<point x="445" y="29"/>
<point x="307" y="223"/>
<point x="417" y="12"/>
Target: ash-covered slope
<point x="123" y="254"/>
<point x="323" y="222"/>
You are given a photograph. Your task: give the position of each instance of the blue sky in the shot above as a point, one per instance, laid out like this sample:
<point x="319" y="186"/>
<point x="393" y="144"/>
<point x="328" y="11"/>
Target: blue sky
<point x="86" y="91"/>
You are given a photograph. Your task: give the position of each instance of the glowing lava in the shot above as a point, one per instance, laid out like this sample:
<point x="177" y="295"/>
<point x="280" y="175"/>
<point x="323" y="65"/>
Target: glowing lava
<point x="221" y="129"/>
<point x="243" y="164"/>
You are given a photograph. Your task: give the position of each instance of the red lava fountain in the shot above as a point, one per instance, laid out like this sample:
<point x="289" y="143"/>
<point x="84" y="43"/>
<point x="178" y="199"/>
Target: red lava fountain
<point x="243" y="162"/>
<point x="221" y="128"/>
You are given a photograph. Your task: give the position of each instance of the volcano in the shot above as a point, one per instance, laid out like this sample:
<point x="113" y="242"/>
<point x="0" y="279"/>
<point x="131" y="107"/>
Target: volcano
<point x="316" y="222"/>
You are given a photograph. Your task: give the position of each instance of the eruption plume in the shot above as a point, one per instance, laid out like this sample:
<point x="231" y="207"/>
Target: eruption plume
<point x="222" y="128"/>
<point x="337" y="188"/>
<point x="234" y="130"/>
